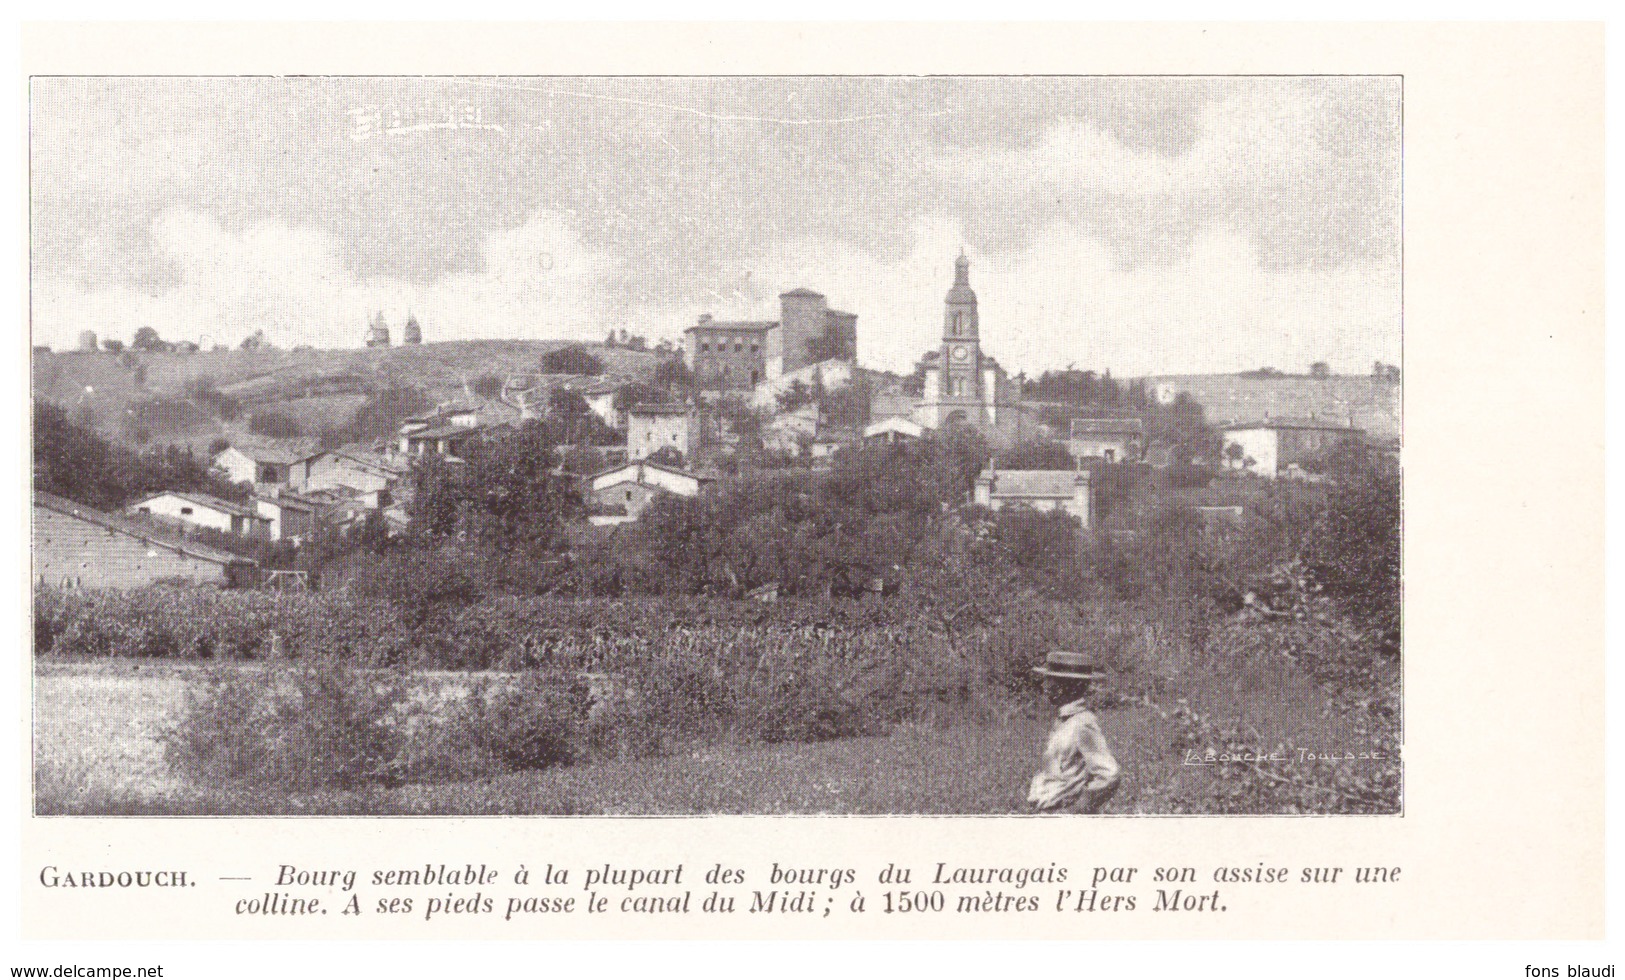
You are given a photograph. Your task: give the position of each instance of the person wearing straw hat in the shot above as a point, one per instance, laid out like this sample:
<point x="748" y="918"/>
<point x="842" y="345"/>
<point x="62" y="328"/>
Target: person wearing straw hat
<point x="1079" y="773"/>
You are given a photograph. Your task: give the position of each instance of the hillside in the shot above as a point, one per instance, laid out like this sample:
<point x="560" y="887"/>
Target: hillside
<point x="1371" y="404"/>
<point x="155" y="391"/>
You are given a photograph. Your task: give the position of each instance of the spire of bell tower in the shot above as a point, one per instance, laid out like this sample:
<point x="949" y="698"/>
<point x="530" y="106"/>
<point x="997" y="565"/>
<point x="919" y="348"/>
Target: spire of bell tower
<point x="961" y="293"/>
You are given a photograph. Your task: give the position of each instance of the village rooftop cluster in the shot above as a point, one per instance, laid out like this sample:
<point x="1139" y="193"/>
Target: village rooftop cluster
<point x="792" y="386"/>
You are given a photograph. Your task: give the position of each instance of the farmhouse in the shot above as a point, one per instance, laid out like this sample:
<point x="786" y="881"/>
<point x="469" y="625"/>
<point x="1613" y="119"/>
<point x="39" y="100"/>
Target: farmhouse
<point x="1114" y="440"/>
<point x="630" y="487"/>
<point x="447" y="439"/>
<point x="448" y="429"/>
<point x="202" y="510"/>
<point x="269" y="463"/>
<point x="1062" y="490"/>
<point x="353" y="470"/>
<point x="80" y="547"/>
<point x="1281" y="446"/>
<point x="651" y="428"/>
<point x="291" y="516"/>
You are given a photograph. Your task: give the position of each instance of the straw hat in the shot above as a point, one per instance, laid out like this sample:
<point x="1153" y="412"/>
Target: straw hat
<point x="1069" y="665"/>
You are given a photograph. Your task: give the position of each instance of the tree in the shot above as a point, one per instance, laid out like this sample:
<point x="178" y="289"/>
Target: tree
<point x="1355" y="546"/>
<point x="487" y="386"/>
<point x="1237" y="457"/>
<point x="382" y="415"/>
<point x="581" y="460"/>
<point x="571" y="360"/>
<point x="1037" y="454"/>
<point x="636" y="393"/>
<point x="254" y="341"/>
<point x="674" y="376"/>
<point x="566" y="403"/>
<point x="73" y="461"/>
<point x="147" y="338"/>
<point x="1320" y="369"/>
<point x="113" y="346"/>
<point x="515" y="494"/>
<point x="796" y="395"/>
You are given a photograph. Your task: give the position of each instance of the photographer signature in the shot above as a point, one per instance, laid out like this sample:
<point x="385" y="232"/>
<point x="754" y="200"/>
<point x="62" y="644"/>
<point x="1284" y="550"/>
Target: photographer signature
<point x="1212" y="757"/>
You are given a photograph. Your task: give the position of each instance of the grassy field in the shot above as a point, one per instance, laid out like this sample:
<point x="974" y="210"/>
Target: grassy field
<point x="96" y="751"/>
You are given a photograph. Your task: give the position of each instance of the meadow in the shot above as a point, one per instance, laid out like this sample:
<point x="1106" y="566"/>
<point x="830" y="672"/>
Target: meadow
<point x="743" y="733"/>
<point x="98" y="749"/>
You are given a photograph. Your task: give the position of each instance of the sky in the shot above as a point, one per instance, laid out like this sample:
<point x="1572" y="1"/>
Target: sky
<point x="1141" y="225"/>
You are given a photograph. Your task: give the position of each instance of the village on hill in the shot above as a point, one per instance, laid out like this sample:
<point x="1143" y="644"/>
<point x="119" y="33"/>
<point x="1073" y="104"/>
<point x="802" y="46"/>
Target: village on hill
<point x="325" y="443"/>
<point x="716" y="445"/>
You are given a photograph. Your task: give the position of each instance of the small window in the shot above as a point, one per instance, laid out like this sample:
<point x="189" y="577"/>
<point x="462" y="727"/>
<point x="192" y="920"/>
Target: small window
<point x="628" y="496"/>
<point x="705" y="346"/>
<point x="186" y="511"/>
<point x="739" y="346"/>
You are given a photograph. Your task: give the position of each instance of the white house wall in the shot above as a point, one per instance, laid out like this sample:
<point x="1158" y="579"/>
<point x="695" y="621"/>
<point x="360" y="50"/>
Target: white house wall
<point x="239" y="468"/>
<point x="1258" y="444"/>
<point x="169" y="506"/>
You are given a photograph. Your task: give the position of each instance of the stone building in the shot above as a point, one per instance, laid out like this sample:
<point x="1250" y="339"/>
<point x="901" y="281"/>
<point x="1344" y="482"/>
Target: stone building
<point x="651" y="428"/>
<point x="631" y="487"/>
<point x="269" y="463"/>
<point x="410" y="334"/>
<point x="740" y="354"/>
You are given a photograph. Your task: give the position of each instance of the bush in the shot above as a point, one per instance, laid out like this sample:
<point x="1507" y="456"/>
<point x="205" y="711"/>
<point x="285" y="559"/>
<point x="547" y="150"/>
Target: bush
<point x="294" y="728"/>
<point x="496" y="725"/>
<point x="1355" y="549"/>
<point x="323" y="725"/>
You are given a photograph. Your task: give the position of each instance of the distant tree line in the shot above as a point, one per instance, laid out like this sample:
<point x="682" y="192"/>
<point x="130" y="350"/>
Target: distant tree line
<point x="74" y="461"/>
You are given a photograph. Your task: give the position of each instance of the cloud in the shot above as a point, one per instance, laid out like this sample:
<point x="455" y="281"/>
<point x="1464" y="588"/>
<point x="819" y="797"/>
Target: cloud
<point x="1141" y="224"/>
<point x="1065" y="298"/>
<point x="538" y="280"/>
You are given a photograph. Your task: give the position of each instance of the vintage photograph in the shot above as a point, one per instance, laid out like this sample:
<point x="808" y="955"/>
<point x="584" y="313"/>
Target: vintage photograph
<point x="678" y="446"/>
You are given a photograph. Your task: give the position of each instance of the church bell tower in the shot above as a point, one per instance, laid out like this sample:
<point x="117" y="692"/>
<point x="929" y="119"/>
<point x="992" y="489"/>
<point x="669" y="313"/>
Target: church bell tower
<point x="961" y="346"/>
